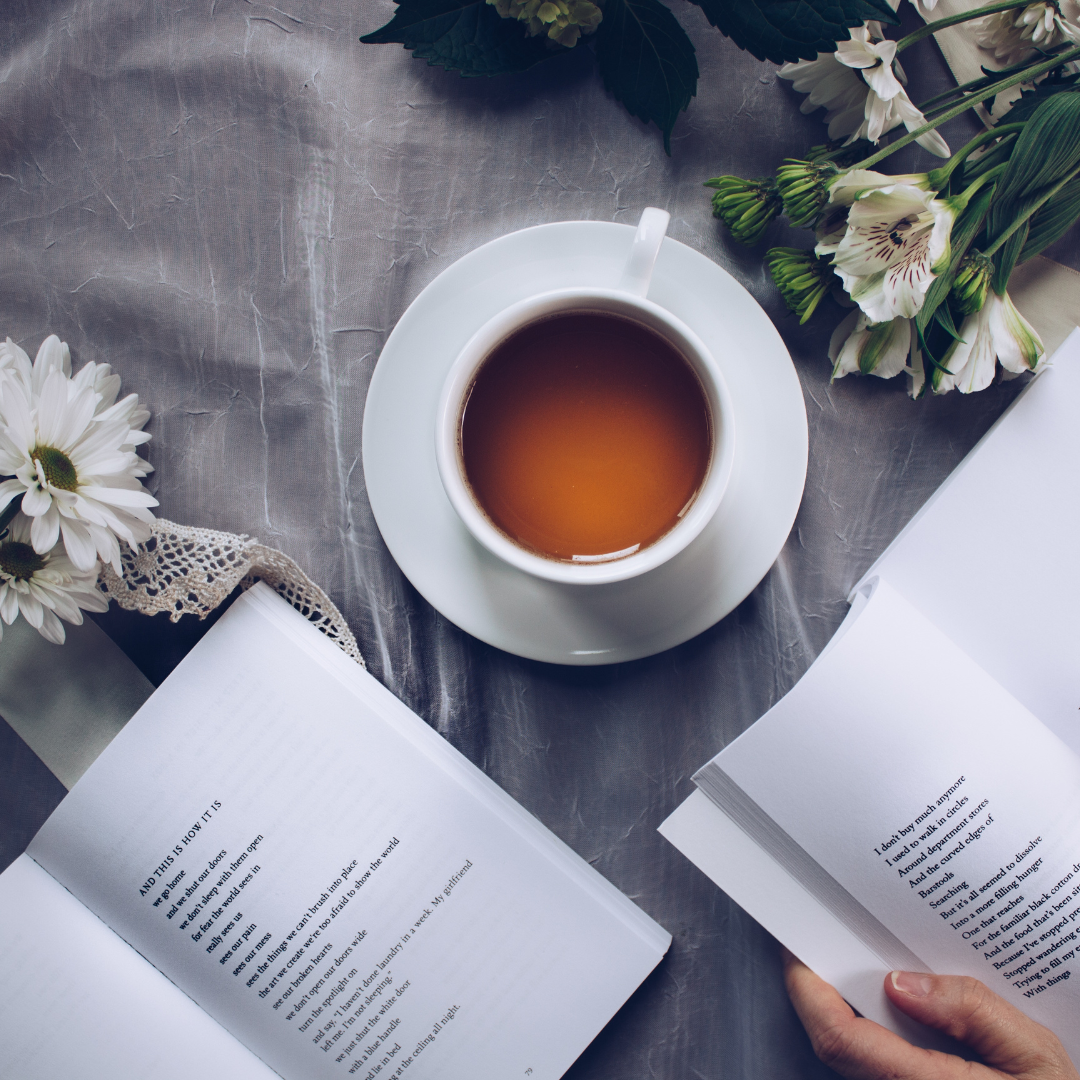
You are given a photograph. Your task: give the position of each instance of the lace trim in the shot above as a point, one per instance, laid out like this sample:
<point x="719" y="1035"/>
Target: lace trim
<point x="190" y="571"/>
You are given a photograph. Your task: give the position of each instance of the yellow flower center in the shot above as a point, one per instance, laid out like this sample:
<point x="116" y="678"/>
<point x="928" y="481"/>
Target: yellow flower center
<point x="57" y="466"/>
<point x="19" y="561"/>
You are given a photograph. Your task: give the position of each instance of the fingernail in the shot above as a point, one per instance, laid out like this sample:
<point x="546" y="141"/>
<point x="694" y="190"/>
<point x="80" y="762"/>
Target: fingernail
<point x="909" y="982"/>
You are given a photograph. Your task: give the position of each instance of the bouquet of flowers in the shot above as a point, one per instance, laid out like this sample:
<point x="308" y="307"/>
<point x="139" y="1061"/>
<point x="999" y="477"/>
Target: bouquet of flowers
<point x="924" y="259"/>
<point x="70" y="484"/>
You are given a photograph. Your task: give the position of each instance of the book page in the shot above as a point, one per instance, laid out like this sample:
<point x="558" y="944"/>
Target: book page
<point x="991" y="559"/>
<point x="75" y="1000"/>
<point x="761" y="886"/>
<point x="331" y="881"/>
<point x="940" y="820"/>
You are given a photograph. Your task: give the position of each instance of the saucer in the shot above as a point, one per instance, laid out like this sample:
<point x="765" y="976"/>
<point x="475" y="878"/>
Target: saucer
<point x="582" y="624"/>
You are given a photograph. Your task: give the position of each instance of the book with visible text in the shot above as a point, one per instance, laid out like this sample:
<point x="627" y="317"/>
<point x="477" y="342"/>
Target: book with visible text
<point x="914" y="801"/>
<point x="278" y="868"/>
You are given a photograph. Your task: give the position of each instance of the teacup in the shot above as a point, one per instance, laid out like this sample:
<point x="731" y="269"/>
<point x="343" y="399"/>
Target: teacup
<point x="627" y="301"/>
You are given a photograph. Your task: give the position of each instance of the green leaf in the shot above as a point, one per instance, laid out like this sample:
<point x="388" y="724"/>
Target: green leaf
<point x="1054" y="220"/>
<point x="463" y="35"/>
<point x="1006" y="256"/>
<point x="647" y="61"/>
<point x="780" y="30"/>
<point x="1057" y="82"/>
<point x="1047" y="150"/>
<point x="944" y="318"/>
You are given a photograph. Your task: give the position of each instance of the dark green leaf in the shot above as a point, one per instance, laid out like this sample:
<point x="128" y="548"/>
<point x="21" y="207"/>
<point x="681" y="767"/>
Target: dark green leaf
<point x="1047" y="150"/>
<point x="647" y="61"/>
<point x="1054" y="220"/>
<point x="1057" y="82"/>
<point x="463" y="35"/>
<point x="997" y="153"/>
<point x="1006" y="256"/>
<point x="944" y="318"/>
<point x="780" y="30"/>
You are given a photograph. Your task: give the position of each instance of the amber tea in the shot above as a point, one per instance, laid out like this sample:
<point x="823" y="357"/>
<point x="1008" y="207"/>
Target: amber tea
<point x="585" y="436"/>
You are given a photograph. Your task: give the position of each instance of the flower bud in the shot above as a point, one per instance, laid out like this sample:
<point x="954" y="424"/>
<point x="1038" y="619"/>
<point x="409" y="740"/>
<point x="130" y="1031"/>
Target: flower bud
<point x="803" y="186"/>
<point x="745" y="206"/>
<point x="802" y="278"/>
<point x="563" y="21"/>
<point x="972" y="282"/>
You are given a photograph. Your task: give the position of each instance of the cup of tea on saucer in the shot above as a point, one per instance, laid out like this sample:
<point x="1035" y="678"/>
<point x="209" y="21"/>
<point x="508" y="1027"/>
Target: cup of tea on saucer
<point x="586" y="435"/>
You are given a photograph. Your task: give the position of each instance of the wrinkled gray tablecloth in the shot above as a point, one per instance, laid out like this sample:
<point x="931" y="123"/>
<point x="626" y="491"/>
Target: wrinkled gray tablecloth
<point x="233" y="202"/>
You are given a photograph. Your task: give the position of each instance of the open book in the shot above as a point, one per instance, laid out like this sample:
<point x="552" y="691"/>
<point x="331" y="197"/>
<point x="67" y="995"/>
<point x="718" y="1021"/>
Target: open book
<point x="276" y="867"/>
<point x="914" y="801"/>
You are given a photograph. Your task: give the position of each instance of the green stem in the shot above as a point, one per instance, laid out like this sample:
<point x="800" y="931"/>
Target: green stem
<point x="940" y="177"/>
<point x="989" y="251"/>
<point x="952" y="20"/>
<point x="975" y="84"/>
<point x="987" y="80"/>
<point x="968" y="103"/>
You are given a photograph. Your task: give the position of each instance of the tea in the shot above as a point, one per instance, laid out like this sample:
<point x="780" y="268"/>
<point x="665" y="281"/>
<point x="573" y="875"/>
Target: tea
<point x="585" y="436"/>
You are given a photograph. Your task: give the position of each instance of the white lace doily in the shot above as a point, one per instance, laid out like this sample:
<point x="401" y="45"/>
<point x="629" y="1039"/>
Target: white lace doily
<point x="189" y="571"/>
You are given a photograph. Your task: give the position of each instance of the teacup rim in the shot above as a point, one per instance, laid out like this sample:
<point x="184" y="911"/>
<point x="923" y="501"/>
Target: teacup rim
<point x="448" y="445"/>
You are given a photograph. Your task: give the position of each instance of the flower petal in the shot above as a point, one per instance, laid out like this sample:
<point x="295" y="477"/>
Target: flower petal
<point x="45" y="530"/>
<point x="51" y="628"/>
<point x="9" y="489"/>
<point x="1018" y="345"/>
<point x="80" y="547"/>
<point x="36" y="501"/>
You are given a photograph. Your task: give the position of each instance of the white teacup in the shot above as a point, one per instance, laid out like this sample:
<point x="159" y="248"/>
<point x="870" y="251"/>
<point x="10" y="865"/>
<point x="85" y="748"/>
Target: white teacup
<point x="627" y="300"/>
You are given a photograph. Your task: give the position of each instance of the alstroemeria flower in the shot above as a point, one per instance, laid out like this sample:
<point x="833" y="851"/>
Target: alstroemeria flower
<point x="1015" y="35"/>
<point x="844" y="190"/>
<point x="997" y="332"/>
<point x="861" y="87"/>
<point x="895" y="244"/>
<point x="859" y="346"/>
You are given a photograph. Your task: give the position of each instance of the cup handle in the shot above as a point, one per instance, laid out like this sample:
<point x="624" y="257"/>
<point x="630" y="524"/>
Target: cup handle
<point x="637" y="273"/>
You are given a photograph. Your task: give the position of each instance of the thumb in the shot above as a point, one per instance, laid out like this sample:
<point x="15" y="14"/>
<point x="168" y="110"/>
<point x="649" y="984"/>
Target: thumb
<point x="1002" y="1036"/>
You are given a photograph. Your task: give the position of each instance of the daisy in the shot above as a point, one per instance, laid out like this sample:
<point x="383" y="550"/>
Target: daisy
<point x="895" y="243"/>
<point x="1015" y="35"/>
<point x="997" y="332"/>
<point x="861" y="88"/>
<point x="71" y="448"/>
<point x="43" y="588"/>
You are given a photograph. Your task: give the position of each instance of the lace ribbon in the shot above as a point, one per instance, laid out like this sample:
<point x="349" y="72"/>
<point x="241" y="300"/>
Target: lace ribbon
<point x="190" y="571"/>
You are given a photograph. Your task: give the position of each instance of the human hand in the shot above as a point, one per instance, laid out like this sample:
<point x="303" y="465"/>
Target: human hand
<point x="1007" y="1042"/>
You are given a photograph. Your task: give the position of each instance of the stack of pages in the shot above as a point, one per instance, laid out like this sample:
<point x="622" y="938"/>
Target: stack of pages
<point x="276" y="867"/>
<point x="914" y="801"/>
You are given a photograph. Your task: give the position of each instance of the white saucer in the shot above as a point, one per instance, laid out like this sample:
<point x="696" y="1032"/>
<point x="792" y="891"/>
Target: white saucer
<point x="582" y="624"/>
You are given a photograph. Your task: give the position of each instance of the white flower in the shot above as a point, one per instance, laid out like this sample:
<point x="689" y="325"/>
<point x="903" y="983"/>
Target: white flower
<point x="996" y="332"/>
<point x="72" y="452"/>
<point x="861" y="88"/>
<point x="862" y="347"/>
<point x="895" y="244"/>
<point x="1015" y="35"/>
<point x="44" y="588"/>
<point x="844" y="190"/>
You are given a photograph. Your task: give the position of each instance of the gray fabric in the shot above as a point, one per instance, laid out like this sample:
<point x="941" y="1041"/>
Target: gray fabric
<point x="67" y="702"/>
<point x="233" y="203"/>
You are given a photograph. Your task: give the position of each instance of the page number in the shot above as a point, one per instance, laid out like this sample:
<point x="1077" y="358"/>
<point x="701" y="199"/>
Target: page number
<point x="528" y="1072"/>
